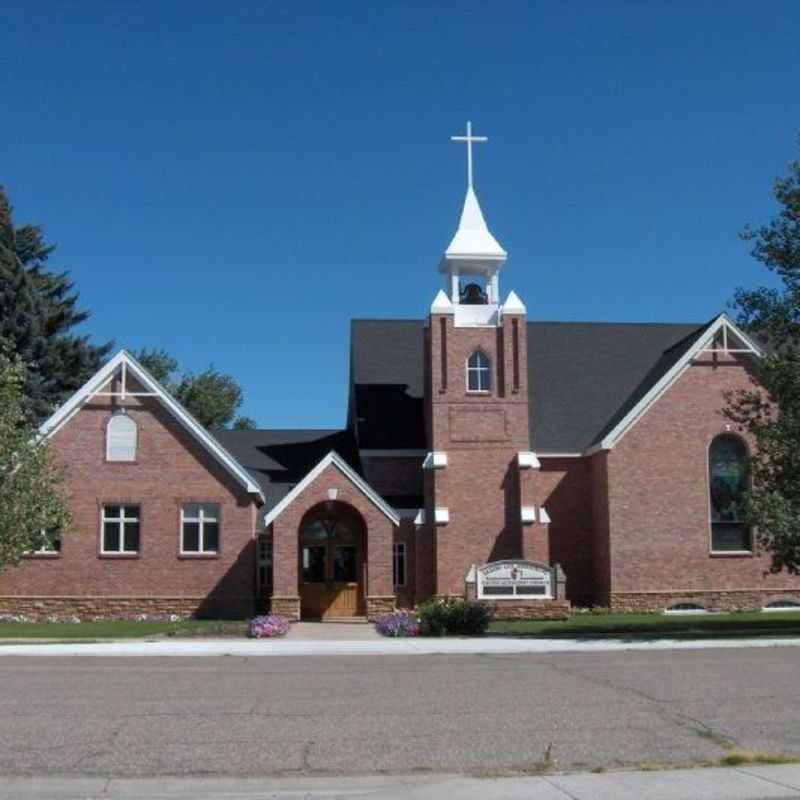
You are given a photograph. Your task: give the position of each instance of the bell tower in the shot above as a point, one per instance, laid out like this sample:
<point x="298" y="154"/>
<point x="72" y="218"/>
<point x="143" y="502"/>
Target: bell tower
<point x="477" y="482"/>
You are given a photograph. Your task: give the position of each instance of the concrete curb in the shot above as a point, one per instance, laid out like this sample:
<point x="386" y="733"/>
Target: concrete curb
<point x="750" y="783"/>
<point x="402" y="647"/>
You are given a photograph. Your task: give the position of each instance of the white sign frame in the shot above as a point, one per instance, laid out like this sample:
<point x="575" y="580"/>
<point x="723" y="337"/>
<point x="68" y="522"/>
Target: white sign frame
<point x="520" y="575"/>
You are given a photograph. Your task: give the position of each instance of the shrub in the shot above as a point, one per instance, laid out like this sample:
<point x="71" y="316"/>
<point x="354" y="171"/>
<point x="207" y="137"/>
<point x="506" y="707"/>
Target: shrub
<point x="268" y="626"/>
<point x="400" y="623"/>
<point x="453" y="618"/>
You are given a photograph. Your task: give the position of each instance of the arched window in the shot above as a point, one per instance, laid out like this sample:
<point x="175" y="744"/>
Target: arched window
<point x="121" y="438"/>
<point x="727" y="482"/>
<point x="478" y="373"/>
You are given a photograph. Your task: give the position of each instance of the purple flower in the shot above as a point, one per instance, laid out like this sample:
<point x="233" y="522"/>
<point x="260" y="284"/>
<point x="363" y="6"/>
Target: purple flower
<point x="268" y="626"/>
<point x="400" y="623"/>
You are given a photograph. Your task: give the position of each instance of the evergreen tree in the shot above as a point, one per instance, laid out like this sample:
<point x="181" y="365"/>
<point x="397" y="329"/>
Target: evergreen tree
<point x="38" y="311"/>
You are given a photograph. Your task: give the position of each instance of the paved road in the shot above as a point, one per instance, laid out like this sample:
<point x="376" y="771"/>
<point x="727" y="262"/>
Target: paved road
<point x="346" y="715"/>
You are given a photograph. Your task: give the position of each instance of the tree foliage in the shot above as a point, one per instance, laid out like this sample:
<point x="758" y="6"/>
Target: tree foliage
<point x="211" y="396"/>
<point x="38" y="312"/>
<point x="32" y="500"/>
<point x="770" y="410"/>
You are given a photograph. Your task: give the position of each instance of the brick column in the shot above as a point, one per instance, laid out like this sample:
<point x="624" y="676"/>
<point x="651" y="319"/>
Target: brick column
<point x="285" y="599"/>
<point x="380" y="585"/>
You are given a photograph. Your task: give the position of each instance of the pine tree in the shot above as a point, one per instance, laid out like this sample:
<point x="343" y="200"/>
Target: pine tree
<point x="38" y="310"/>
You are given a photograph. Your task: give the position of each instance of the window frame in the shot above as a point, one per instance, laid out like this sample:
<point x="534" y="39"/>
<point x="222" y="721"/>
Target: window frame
<point x="479" y="370"/>
<point x="711" y="549"/>
<point x="121" y="519"/>
<point x="46" y="552"/>
<point x="399" y="552"/>
<point x="201" y="519"/>
<point x="116" y="416"/>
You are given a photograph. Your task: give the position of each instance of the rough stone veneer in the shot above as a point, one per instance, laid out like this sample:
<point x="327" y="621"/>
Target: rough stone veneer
<point x="87" y="608"/>
<point x="171" y="468"/>
<point x="378" y="607"/>
<point x="528" y="609"/>
<point x="726" y="600"/>
<point x="288" y="607"/>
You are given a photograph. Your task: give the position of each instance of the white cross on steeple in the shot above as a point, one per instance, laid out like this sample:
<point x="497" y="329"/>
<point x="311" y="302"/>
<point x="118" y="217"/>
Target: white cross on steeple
<point x="469" y="139"/>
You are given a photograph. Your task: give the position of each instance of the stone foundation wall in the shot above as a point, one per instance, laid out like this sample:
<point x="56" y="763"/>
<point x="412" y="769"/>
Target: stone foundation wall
<point x="379" y="605"/>
<point x="286" y="606"/>
<point x="88" y="608"/>
<point x="725" y="600"/>
<point x="528" y="609"/>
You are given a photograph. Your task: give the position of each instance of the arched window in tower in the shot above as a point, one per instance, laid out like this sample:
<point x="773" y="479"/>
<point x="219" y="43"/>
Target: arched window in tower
<point x="478" y="372"/>
<point x="727" y="483"/>
<point x="121" y="438"/>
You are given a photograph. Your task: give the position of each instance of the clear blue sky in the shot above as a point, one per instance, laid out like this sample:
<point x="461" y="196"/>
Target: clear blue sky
<point x="235" y="181"/>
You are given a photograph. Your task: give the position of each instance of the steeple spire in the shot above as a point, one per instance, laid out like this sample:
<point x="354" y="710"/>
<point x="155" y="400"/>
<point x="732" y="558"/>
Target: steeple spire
<point x="473" y="250"/>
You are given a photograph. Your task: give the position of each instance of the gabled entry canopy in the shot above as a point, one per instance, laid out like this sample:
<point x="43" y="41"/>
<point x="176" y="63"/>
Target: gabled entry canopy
<point x="355" y="479"/>
<point x="124" y="365"/>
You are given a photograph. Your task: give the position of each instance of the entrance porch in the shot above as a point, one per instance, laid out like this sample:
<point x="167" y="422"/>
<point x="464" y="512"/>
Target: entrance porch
<point x="332" y="538"/>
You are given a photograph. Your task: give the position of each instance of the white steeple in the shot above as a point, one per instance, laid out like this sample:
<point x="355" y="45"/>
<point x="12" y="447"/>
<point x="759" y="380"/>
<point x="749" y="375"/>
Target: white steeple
<point x="473" y="254"/>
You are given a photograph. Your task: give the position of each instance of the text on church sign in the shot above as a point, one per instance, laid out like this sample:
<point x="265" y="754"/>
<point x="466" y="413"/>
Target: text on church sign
<point x="514" y="579"/>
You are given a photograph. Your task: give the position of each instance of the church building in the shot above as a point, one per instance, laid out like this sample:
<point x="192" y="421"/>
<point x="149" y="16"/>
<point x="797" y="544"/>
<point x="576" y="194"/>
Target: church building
<point x="475" y="440"/>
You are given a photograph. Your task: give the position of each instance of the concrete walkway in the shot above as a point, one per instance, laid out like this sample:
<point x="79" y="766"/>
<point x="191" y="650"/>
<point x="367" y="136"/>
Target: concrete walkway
<point x="746" y="783"/>
<point x="369" y="646"/>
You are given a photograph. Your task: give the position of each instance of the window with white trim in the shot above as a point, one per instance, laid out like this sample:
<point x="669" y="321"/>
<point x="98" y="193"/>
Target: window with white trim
<point x="399" y="563"/>
<point x="727" y="483"/>
<point x="200" y="528"/>
<point x="121" y="438"/>
<point x="49" y="543"/>
<point x="120" y="530"/>
<point x="478" y="372"/>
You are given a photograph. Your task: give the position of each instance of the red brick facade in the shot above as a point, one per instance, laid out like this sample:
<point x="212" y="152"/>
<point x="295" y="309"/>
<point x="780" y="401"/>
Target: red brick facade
<point x="629" y="525"/>
<point x="171" y="469"/>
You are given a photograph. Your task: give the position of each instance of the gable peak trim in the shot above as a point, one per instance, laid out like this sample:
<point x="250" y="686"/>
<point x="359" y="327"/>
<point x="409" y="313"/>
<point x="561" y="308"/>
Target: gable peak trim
<point x="123" y="361"/>
<point x="333" y="458"/>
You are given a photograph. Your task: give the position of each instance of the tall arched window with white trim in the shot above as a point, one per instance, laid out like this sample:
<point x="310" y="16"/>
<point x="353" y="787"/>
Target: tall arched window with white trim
<point x="121" y="438"/>
<point x="727" y="483"/>
<point x="478" y="372"/>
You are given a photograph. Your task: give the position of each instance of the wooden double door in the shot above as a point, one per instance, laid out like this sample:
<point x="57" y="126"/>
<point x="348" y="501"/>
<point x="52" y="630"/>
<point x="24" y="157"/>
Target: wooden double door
<point x="332" y="566"/>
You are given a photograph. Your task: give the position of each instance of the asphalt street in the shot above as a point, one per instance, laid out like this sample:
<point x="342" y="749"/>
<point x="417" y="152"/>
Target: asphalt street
<point x="293" y="716"/>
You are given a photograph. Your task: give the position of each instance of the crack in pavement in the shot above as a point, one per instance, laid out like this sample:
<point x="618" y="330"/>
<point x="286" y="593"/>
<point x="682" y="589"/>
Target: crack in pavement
<point x="662" y="707"/>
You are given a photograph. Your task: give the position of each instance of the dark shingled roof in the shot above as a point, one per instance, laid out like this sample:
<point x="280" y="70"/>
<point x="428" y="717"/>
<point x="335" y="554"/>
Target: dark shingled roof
<point x="386" y="383"/>
<point x="583" y="377"/>
<point x="279" y="459"/>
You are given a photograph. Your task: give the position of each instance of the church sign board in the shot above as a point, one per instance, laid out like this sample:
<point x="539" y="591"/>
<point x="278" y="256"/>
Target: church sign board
<point x="508" y="580"/>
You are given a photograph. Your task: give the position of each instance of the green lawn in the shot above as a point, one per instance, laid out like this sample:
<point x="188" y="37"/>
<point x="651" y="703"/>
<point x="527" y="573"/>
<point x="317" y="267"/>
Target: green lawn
<point x="630" y="627"/>
<point x="656" y="626"/>
<point x="121" y="630"/>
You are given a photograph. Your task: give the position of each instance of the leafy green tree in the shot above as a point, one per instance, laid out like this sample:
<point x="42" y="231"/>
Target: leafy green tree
<point x="211" y="396"/>
<point x="32" y="500"/>
<point x="770" y="410"/>
<point x="38" y="311"/>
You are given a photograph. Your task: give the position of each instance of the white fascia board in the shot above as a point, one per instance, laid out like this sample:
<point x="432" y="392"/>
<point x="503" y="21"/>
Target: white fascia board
<point x="63" y="414"/>
<point x="544" y="517"/>
<point x="333" y="458"/>
<point x="561" y="455"/>
<point x="528" y="515"/>
<point x="420" y="518"/>
<point x="441" y="516"/>
<point x="669" y="377"/>
<point x="527" y="460"/>
<point x="435" y="460"/>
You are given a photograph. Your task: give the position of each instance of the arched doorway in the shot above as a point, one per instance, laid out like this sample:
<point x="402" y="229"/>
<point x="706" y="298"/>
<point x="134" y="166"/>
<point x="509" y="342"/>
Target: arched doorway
<point x="333" y="562"/>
